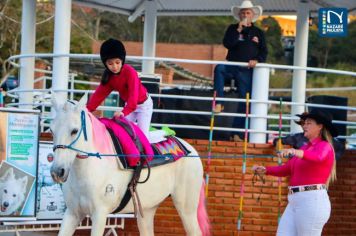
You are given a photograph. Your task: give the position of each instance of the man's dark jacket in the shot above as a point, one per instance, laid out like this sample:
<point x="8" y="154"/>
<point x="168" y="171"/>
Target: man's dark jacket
<point x="241" y="46"/>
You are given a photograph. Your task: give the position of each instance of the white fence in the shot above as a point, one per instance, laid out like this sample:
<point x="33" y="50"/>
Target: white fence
<point x="114" y="222"/>
<point x="259" y="102"/>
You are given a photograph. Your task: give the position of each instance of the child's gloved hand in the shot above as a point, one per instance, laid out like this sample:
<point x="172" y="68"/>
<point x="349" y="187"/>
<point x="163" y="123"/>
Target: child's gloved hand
<point x="168" y="131"/>
<point x="118" y="115"/>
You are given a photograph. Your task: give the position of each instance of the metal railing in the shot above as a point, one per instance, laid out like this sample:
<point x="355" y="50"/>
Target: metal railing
<point x="257" y="116"/>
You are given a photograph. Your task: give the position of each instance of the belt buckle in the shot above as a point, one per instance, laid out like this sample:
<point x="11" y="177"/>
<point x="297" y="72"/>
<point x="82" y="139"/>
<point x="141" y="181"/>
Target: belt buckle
<point x="310" y="187"/>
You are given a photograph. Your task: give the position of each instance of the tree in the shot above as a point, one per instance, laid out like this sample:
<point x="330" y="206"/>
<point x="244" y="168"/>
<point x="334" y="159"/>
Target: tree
<point x="331" y="51"/>
<point x="343" y="49"/>
<point x="10" y="15"/>
<point x="273" y="34"/>
<point x="192" y="29"/>
<point x="318" y="48"/>
<point x="10" y="35"/>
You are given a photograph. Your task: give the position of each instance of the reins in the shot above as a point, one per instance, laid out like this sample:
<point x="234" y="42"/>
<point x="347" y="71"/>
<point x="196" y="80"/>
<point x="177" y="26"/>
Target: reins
<point x="257" y="177"/>
<point x="100" y="155"/>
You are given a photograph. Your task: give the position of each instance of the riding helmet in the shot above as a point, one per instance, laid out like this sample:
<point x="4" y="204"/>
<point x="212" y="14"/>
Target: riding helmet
<point x="112" y="48"/>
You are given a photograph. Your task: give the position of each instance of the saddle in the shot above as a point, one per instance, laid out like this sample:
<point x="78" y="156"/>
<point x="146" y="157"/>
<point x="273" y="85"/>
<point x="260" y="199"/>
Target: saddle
<point x="133" y="147"/>
<point x="135" y="152"/>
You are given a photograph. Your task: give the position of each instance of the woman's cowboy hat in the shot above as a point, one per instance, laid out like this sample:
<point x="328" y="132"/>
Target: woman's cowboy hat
<point x="247" y="5"/>
<point x="321" y="117"/>
<point x="302" y="119"/>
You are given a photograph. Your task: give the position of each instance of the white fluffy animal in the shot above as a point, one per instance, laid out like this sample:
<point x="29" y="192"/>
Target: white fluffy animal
<point x="86" y="181"/>
<point x="12" y="193"/>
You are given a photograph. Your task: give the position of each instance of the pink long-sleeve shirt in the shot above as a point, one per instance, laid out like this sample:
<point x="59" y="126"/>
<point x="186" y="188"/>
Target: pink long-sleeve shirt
<point x="314" y="168"/>
<point x="127" y="84"/>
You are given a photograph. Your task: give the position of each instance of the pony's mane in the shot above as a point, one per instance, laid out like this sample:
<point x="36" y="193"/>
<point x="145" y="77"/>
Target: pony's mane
<point x="101" y="138"/>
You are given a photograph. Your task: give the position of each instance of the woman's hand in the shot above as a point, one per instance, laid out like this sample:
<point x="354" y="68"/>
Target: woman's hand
<point x="259" y="170"/>
<point x="288" y="153"/>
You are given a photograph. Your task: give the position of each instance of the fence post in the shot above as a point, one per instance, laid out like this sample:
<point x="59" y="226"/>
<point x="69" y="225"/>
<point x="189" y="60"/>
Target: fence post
<point x="260" y="89"/>
<point x="28" y="41"/>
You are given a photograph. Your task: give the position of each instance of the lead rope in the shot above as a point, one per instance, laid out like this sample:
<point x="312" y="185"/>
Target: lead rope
<point x="279" y="148"/>
<point x="256" y="177"/>
<point x="210" y="142"/>
<point x="242" y="191"/>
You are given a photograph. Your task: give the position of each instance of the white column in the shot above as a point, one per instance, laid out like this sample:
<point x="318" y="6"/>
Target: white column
<point x="300" y="59"/>
<point x="149" y="36"/>
<point x="62" y="24"/>
<point x="28" y="44"/>
<point x="260" y="87"/>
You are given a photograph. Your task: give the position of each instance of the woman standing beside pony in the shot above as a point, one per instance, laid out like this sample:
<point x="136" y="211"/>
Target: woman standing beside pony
<point x="123" y="78"/>
<point x="311" y="169"/>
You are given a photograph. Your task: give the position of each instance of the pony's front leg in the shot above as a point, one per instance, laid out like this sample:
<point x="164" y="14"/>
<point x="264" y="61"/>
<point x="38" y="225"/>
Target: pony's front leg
<point x="69" y="223"/>
<point x="145" y="224"/>
<point x="98" y="219"/>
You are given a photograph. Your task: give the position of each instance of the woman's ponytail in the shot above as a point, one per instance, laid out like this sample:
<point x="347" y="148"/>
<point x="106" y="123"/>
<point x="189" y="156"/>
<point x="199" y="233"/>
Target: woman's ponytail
<point x="327" y="136"/>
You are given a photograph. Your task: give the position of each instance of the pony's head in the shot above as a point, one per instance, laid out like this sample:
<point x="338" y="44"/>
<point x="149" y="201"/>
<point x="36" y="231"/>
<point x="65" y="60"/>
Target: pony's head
<point x="69" y="130"/>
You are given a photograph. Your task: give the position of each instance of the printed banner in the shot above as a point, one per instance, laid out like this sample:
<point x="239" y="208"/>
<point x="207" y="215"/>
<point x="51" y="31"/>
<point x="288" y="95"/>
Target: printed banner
<point x="18" y="153"/>
<point x="50" y="201"/>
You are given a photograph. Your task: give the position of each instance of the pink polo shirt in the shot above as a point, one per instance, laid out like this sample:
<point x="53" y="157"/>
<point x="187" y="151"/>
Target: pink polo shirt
<point x="127" y="84"/>
<point x="314" y="168"/>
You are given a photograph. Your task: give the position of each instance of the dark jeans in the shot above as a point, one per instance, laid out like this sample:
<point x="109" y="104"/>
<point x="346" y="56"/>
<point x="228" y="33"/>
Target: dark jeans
<point x="243" y="82"/>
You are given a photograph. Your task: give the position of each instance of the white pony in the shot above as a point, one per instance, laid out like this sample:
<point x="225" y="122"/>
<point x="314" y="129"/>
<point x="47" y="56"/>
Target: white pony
<point x="86" y="181"/>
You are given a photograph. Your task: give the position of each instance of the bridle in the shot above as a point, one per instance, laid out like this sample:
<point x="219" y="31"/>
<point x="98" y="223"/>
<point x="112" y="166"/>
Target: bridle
<point x="70" y="146"/>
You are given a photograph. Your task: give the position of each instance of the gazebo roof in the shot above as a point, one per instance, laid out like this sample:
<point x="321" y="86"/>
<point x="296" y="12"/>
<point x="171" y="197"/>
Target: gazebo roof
<point x="212" y="7"/>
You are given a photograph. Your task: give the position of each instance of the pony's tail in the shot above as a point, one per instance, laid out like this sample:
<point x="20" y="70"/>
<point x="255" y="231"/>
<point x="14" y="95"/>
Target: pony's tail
<point x="203" y="217"/>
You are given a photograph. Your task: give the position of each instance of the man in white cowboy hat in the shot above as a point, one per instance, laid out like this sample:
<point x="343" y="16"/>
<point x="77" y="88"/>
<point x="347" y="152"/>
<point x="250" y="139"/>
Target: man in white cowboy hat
<point x="245" y="43"/>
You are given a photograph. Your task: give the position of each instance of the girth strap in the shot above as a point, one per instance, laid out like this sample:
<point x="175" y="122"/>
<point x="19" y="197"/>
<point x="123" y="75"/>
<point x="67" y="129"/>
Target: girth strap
<point x="123" y="202"/>
<point x="131" y="188"/>
<point x="132" y="193"/>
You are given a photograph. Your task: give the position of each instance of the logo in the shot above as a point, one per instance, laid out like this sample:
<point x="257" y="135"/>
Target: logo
<point x="332" y="22"/>
<point x="51" y="206"/>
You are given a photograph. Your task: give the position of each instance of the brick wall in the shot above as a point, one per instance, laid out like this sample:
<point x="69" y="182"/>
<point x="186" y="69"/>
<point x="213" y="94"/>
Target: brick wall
<point x="260" y="217"/>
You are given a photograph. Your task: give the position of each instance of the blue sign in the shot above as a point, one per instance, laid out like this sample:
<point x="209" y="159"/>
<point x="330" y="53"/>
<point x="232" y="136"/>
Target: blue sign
<point x="332" y="22"/>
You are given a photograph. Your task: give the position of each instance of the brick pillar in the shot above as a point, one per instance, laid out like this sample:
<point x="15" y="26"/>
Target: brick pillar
<point x="42" y="66"/>
<point x="167" y="74"/>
